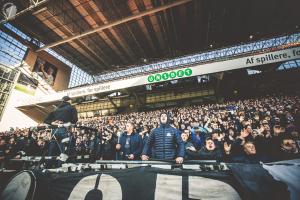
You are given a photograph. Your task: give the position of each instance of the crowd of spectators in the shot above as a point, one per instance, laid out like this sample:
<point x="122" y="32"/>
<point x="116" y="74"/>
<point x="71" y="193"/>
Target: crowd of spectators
<point x="249" y="131"/>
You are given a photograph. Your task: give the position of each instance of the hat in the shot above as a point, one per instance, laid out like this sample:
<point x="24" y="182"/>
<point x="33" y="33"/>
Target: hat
<point x="66" y="98"/>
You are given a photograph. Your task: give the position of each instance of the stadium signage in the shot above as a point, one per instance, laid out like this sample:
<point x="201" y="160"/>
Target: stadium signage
<point x="205" y="181"/>
<point x="170" y="75"/>
<point x="271" y="57"/>
<point x="196" y="70"/>
<point x="100" y="88"/>
<point x="111" y="187"/>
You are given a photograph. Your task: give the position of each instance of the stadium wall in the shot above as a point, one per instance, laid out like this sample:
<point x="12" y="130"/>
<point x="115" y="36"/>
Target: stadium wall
<point x="23" y="93"/>
<point x="12" y="117"/>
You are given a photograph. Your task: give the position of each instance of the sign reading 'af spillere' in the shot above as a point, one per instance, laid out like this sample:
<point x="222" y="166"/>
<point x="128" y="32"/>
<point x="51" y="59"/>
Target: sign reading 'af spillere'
<point x="196" y="70"/>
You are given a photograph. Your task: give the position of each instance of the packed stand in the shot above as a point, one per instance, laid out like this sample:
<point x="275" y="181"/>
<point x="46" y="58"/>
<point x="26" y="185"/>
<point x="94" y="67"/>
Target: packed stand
<point x="246" y="131"/>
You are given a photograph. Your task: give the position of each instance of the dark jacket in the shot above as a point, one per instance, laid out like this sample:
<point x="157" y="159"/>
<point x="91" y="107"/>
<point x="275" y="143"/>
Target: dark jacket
<point x="166" y="143"/>
<point x="71" y="145"/>
<point x="26" y="144"/>
<point x="108" y="148"/>
<point x="250" y="159"/>
<point x="284" y="155"/>
<point x="188" y="153"/>
<point x="136" y="144"/>
<point x="65" y="112"/>
<point x="263" y="145"/>
<point x="237" y="147"/>
<point x="145" y="139"/>
<point x="205" y="154"/>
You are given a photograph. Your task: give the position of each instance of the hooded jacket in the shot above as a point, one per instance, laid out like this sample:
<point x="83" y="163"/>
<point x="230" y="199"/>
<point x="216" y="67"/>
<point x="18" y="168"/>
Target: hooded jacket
<point x="165" y="142"/>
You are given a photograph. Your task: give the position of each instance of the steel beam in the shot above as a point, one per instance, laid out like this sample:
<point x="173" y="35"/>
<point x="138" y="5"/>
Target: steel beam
<point x="115" y="23"/>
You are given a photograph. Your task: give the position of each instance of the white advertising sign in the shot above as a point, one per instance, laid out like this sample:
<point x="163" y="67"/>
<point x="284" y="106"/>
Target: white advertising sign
<point x="200" y="69"/>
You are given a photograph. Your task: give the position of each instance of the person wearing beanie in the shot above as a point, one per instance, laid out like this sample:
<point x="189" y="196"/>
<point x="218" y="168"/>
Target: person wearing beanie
<point x="165" y="142"/>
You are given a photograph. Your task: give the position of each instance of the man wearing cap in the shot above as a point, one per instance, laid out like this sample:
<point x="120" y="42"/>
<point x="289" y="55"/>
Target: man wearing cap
<point x="64" y="113"/>
<point x="165" y="141"/>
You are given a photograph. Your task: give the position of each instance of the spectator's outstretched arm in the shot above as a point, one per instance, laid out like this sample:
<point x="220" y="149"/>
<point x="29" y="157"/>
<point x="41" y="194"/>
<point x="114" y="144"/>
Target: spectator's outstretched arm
<point x="206" y="126"/>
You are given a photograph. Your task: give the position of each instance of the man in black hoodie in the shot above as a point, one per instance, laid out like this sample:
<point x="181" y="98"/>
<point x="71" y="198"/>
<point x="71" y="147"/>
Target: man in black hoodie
<point x="165" y="142"/>
<point x="64" y="113"/>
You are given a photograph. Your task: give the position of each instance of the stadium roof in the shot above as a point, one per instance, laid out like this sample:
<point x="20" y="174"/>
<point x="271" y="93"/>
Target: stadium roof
<point x="135" y="31"/>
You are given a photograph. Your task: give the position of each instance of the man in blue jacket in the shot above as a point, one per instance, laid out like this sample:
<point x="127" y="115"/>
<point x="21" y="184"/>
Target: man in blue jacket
<point x="130" y="144"/>
<point x="165" y="141"/>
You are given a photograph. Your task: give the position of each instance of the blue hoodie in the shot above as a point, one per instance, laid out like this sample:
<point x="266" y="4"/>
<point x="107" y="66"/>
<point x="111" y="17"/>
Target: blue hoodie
<point x="198" y="141"/>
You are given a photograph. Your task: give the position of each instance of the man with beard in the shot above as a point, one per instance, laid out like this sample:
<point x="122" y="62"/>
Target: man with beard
<point x="165" y="142"/>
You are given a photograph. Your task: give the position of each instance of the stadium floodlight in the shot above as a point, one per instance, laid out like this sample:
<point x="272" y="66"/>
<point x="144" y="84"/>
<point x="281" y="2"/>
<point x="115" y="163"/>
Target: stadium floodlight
<point x="34" y="2"/>
<point x="9" y="10"/>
